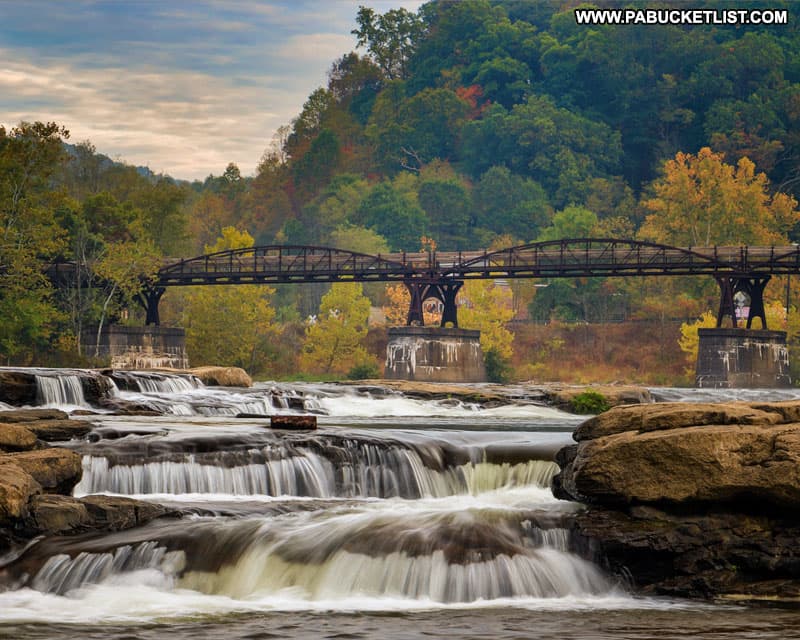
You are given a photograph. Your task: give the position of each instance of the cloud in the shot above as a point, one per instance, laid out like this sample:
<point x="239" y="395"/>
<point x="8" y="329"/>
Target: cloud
<point x="184" y="88"/>
<point x="184" y="123"/>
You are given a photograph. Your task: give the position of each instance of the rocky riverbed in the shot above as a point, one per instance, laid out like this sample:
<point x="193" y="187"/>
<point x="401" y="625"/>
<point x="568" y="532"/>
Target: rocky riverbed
<point x="36" y="483"/>
<point x="697" y="500"/>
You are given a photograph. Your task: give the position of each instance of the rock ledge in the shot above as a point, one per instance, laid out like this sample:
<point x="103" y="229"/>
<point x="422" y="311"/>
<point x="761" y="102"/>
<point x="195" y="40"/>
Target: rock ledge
<point x="691" y="499"/>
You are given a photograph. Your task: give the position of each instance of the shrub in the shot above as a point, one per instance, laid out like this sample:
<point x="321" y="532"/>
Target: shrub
<point x="498" y="368"/>
<point x="590" y="402"/>
<point x="363" y="371"/>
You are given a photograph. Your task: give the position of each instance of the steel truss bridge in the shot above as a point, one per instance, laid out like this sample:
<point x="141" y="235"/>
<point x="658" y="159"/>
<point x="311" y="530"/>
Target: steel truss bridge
<point x="440" y="274"/>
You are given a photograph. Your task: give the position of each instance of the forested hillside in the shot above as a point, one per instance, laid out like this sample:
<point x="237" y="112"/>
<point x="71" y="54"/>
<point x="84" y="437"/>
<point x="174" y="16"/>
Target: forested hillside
<point x="465" y="125"/>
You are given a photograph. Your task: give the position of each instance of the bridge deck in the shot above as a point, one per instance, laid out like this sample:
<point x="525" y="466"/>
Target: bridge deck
<point x="569" y="258"/>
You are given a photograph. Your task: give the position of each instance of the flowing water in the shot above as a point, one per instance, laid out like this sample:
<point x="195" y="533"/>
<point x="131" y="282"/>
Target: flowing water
<point x="397" y="518"/>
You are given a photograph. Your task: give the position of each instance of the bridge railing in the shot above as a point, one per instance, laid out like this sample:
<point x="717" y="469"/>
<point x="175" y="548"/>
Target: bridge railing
<point x="564" y="258"/>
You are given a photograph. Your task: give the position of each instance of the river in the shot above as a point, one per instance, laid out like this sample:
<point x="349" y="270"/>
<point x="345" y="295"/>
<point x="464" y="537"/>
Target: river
<point x="397" y="518"/>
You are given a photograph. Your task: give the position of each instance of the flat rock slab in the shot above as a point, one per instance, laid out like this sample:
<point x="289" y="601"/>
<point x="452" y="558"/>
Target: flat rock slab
<point x="676" y="415"/>
<point x="56" y="470"/>
<point x="488" y="395"/>
<point x="31" y="415"/>
<point x="116" y="513"/>
<point x="59" y="430"/>
<point x="293" y="423"/>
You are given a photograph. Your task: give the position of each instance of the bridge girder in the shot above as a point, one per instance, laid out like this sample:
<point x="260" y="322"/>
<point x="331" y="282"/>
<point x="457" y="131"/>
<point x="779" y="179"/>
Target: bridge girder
<point x="567" y="258"/>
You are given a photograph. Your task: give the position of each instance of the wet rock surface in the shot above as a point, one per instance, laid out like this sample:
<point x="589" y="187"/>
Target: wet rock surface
<point x="36" y="482"/>
<point x="697" y="500"/>
<point x="558" y="395"/>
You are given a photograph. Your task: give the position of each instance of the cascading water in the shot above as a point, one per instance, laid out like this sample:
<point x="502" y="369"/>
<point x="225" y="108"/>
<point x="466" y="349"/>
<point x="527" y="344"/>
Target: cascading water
<point x="423" y="508"/>
<point x="59" y="391"/>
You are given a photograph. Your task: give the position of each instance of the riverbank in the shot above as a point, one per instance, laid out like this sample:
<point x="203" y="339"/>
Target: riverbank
<point x="555" y="394"/>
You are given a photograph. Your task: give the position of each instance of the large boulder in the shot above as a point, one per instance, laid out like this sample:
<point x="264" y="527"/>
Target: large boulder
<point x="16" y="488"/>
<point x="15" y="437"/>
<point x="50" y="513"/>
<point x="56" y="470"/>
<point x="689" y="499"/>
<point x="96" y="386"/>
<point x="17" y="387"/>
<point x="223" y="376"/>
<point x="734" y="464"/>
<point x="675" y="415"/>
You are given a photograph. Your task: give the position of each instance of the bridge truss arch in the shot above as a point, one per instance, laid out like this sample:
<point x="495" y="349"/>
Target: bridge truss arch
<point x="440" y="274"/>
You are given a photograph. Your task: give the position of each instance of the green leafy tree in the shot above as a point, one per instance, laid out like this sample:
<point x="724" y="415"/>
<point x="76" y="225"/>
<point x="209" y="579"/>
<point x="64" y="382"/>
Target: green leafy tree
<point x="448" y="206"/>
<point x="30" y="155"/>
<point x="409" y="132"/>
<point x="570" y="222"/>
<point x="392" y="216"/>
<point x="390" y="38"/>
<point x="230" y="326"/>
<point x="507" y="203"/>
<point x="554" y="146"/>
<point x="334" y="340"/>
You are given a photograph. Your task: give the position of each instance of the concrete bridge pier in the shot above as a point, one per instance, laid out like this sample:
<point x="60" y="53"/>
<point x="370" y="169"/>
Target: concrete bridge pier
<point x="139" y="347"/>
<point x="734" y="358"/>
<point x="434" y="354"/>
<point x="742" y="357"/>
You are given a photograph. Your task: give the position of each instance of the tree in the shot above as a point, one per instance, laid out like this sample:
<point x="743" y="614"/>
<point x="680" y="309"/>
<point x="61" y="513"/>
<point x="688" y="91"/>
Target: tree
<point x="507" y="203"/>
<point x="571" y="222"/>
<point x="689" y="341"/>
<point x="125" y="268"/>
<point x="354" y="82"/>
<point x="30" y="155"/>
<point x="390" y="38"/>
<point x="333" y="342"/>
<point x="702" y="201"/>
<point x="230" y="326"/>
<point x="560" y="149"/>
<point x="391" y="215"/>
<point x="398" y="301"/>
<point x="411" y="131"/>
<point x="486" y="306"/>
<point x="448" y="205"/>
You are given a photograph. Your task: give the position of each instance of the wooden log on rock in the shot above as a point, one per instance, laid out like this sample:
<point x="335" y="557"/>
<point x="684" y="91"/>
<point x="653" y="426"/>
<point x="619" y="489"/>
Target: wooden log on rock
<point x="293" y="422"/>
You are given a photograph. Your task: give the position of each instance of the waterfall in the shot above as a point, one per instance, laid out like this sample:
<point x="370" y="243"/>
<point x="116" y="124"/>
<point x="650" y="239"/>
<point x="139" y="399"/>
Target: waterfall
<point x="62" y="574"/>
<point x="368" y="473"/>
<point x="545" y="573"/>
<point x="147" y="382"/>
<point x="59" y="391"/>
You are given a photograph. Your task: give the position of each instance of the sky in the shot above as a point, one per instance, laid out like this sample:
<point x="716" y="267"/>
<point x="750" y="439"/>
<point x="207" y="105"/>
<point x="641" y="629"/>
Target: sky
<point x="181" y="86"/>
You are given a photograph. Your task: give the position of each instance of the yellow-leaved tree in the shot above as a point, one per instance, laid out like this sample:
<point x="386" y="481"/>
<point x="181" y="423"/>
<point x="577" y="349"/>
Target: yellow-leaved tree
<point x="230" y="325"/>
<point x="485" y="306"/>
<point x="690" y="340"/>
<point x="398" y="300"/>
<point x="702" y="201"/>
<point x="334" y="339"/>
